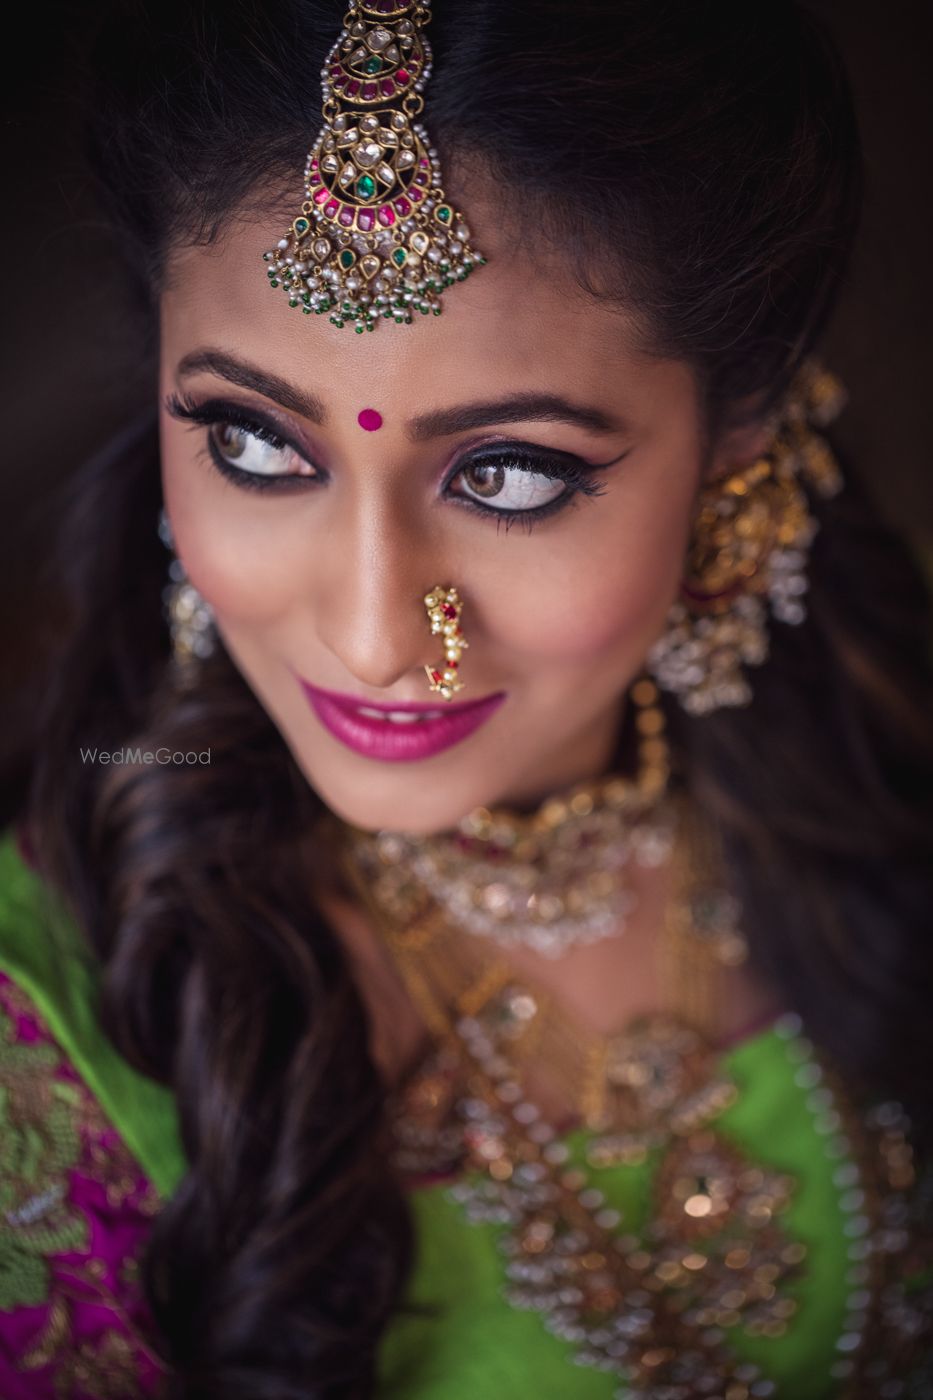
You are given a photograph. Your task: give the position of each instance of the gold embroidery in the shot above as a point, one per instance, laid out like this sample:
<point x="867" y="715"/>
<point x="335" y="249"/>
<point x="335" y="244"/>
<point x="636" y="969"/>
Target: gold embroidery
<point x="51" y="1126"/>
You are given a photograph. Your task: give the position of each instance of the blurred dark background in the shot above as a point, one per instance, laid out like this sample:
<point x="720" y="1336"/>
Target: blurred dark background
<point x="75" y="363"/>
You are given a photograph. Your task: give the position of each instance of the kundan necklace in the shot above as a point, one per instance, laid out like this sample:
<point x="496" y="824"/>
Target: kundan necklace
<point x="550" y="880"/>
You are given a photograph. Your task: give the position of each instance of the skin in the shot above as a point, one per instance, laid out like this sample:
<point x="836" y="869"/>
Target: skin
<point x="329" y="582"/>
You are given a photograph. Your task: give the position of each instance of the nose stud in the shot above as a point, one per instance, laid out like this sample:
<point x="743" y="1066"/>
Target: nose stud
<point x="444" y="608"/>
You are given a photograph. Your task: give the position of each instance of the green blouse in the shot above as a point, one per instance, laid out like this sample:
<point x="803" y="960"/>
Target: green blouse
<point x="822" y="1308"/>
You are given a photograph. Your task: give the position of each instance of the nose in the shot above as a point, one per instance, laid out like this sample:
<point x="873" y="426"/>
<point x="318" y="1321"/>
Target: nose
<point x="371" y="612"/>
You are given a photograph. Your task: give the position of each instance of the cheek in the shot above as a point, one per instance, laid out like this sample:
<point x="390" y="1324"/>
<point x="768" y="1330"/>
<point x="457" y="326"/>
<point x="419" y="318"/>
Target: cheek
<point x="222" y="536"/>
<point x="609" y="594"/>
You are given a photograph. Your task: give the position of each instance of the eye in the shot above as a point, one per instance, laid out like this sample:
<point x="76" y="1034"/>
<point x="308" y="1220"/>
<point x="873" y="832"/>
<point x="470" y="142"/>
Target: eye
<point x="255" y="451"/>
<point x="510" y="486"/>
<point x="522" y="483"/>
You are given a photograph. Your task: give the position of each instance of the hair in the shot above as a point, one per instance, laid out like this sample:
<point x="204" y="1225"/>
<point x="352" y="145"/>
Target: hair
<point x="698" y="163"/>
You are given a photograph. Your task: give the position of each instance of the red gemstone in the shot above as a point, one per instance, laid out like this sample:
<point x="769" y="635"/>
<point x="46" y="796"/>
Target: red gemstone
<point x="364" y="220"/>
<point x="346" y="216"/>
<point x="321" y="195"/>
<point x="449" y="610"/>
<point x="387" y="87"/>
<point x="339" y="82"/>
<point x="336" y="68"/>
<point x="452" y="665"/>
<point x="402" y="206"/>
<point x="354" y="87"/>
<point x="331" y="208"/>
<point x="415" y="193"/>
<point x="370" y="91"/>
<point x="403" y="75"/>
<point x="385" y="216"/>
<point x="435" y="676"/>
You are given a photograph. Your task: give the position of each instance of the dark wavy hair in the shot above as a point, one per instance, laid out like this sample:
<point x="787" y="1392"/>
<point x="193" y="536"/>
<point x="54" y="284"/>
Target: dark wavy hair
<point x="698" y="163"/>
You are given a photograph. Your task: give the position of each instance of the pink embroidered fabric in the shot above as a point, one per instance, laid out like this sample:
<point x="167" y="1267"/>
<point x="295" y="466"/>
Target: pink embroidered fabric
<point x="75" y="1210"/>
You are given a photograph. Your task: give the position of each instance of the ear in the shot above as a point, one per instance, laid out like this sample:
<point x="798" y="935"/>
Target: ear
<point x="738" y="445"/>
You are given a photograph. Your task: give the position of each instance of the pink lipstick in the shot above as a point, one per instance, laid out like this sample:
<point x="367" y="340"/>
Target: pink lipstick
<point x="400" y="733"/>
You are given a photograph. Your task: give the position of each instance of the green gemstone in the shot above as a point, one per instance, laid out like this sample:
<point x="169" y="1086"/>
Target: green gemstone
<point x="400" y="257"/>
<point x="359" y="329"/>
<point x="274" y="282"/>
<point x="437" y="310"/>
<point x="306" y="310"/>
<point x="301" y="226"/>
<point x="365" y="187"/>
<point x="444" y="213"/>
<point x="347" y="257"/>
<point x="292" y="301"/>
<point x="373" y="66"/>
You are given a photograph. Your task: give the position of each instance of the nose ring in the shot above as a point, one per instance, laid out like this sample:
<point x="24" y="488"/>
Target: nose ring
<point x="444" y="608"/>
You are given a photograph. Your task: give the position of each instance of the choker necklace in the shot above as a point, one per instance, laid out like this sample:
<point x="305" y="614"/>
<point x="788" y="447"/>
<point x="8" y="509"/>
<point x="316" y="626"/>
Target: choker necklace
<point x="550" y="880"/>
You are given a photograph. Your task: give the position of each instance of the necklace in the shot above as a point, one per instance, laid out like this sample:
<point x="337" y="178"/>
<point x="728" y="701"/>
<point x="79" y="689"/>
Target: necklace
<point x="656" y="1301"/>
<point x="551" y="880"/>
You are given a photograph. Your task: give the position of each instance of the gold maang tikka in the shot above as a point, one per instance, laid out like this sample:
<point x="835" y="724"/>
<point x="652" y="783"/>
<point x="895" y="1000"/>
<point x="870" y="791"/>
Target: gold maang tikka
<point x="376" y="237"/>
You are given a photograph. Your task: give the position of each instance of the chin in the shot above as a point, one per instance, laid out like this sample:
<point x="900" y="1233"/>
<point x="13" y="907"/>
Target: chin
<point x="415" y="812"/>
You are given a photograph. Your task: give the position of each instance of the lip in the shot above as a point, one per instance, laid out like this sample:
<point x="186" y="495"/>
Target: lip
<point x="343" y="717"/>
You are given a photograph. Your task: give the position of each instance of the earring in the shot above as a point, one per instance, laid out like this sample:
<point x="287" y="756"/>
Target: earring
<point x="444" y="608"/>
<point x="190" y="618"/>
<point x="748" y="554"/>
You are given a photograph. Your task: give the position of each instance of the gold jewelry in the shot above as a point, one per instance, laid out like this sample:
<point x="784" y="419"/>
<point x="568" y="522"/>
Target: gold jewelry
<point x="629" y="1088"/>
<point x="377" y="238"/>
<point x="189" y="616"/>
<point x="444" y="609"/>
<point x="751" y="537"/>
<point x="550" y="880"/>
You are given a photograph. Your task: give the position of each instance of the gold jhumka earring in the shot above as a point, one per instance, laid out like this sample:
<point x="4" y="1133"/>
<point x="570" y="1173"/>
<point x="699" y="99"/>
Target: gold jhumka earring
<point x="748" y="554"/>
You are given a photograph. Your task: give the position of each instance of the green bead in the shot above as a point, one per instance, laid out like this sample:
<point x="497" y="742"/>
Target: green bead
<point x="307" y="310"/>
<point x="365" y="187"/>
<point x="437" y="310"/>
<point x="359" y="329"/>
<point x="273" y="283"/>
<point x="293" y="302"/>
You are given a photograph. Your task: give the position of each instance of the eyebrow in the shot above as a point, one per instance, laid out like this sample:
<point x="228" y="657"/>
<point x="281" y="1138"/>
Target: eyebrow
<point x="514" y="408"/>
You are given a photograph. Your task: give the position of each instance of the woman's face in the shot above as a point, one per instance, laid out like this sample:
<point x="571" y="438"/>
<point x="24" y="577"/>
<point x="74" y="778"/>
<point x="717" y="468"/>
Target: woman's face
<point x="526" y="454"/>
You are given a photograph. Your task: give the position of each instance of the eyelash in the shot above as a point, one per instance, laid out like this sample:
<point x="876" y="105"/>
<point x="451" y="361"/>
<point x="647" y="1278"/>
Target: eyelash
<point x="559" y="466"/>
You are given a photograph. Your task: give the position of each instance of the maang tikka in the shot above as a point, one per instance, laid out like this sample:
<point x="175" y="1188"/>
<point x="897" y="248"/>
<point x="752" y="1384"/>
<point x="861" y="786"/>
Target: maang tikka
<point x="376" y="237"/>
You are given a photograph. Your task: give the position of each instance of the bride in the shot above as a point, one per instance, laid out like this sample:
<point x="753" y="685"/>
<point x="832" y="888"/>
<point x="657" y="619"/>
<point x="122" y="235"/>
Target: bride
<point x="465" y="928"/>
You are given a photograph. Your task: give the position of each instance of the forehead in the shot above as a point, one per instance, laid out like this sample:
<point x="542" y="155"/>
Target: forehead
<point x="518" y="321"/>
